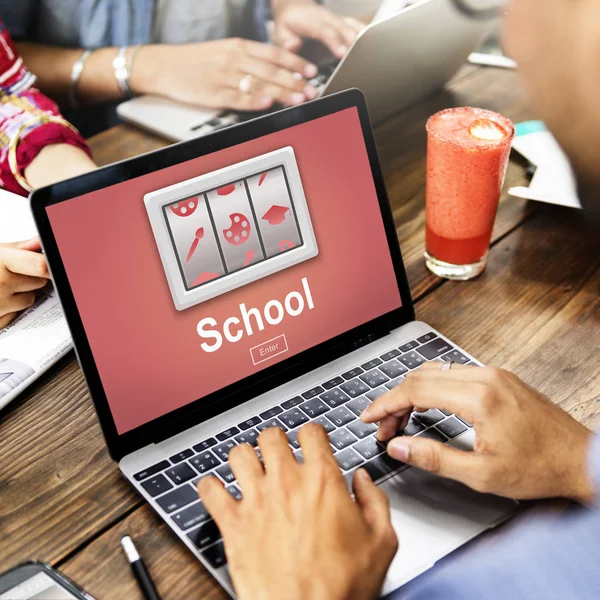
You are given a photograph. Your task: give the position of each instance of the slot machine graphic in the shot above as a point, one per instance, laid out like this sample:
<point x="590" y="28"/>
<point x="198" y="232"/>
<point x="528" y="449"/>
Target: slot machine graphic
<point x="228" y="228"/>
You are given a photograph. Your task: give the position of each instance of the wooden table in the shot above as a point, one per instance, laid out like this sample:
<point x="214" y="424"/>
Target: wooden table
<point x="535" y="310"/>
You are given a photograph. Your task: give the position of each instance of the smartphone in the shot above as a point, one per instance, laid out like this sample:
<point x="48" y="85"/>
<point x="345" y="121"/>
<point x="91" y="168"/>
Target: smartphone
<point x="34" y="580"/>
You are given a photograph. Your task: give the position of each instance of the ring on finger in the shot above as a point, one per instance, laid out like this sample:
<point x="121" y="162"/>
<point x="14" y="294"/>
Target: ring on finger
<point x="447" y="365"/>
<point x="245" y="83"/>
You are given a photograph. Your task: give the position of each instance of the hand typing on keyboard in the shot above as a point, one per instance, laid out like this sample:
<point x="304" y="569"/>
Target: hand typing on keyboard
<point x="297" y="533"/>
<point x="237" y="74"/>
<point x="526" y="447"/>
<point x="297" y="19"/>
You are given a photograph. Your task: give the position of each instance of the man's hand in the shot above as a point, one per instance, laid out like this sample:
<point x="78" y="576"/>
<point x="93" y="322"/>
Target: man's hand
<point x="209" y="74"/>
<point x="526" y="447"/>
<point x="297" y="19"/>
<point x="296" y="533"/>
<point x="23" y="270"/>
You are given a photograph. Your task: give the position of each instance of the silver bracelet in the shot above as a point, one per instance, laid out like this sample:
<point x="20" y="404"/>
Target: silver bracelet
<point x="75" y="76"/>
<point x="132" y="56"/>
<point x="120" y="67"/>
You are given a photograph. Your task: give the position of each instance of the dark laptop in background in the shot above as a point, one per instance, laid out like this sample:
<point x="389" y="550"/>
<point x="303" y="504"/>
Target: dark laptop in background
<point x="246" y="280"/>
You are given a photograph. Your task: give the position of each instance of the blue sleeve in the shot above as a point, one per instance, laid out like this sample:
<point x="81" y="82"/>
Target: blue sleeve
<point x="553" y="560"/>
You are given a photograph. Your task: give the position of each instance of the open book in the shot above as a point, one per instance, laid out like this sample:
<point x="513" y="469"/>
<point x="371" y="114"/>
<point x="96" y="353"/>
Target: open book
<point x="39" y="336"/>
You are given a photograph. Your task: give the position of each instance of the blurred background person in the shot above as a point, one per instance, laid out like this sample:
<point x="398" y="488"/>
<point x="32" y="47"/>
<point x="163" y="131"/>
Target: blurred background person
<point x="37" y="147"/>
<point x="92" y="52"/>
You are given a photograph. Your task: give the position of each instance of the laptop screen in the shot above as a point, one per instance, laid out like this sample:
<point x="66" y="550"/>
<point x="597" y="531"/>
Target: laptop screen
<point x="194" y="277"/>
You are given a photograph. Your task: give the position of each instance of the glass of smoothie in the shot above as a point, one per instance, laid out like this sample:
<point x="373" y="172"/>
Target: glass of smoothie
<point x="467" y="156"/>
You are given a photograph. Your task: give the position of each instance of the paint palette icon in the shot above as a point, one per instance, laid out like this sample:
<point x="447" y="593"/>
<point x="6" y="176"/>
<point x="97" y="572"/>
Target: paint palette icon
<point x="227" y="228"/>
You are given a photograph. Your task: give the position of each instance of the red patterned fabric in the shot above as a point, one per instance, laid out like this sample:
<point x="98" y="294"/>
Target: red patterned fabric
<point x="19" y="102"/>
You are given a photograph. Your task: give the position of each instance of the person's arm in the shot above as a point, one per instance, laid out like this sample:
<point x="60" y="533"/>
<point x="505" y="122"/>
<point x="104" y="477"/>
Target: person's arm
<point x="57" y="162"/>
<point x="526" y="447"/>
<point x="52" y="66"/>
<point x="208" y="73"/>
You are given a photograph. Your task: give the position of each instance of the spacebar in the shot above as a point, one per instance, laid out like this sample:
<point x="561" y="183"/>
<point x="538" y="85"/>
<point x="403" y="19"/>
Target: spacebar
<point x="382" y="465"/>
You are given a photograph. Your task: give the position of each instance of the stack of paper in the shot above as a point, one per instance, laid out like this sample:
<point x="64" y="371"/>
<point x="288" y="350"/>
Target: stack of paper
<point x="554" y="181"/>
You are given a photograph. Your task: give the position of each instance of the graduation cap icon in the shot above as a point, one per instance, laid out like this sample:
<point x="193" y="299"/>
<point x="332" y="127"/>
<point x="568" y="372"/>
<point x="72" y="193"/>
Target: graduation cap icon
<point x="276" y="214"/>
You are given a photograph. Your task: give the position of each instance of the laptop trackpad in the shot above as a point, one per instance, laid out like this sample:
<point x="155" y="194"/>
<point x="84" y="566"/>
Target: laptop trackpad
<point x="432" y="517"/>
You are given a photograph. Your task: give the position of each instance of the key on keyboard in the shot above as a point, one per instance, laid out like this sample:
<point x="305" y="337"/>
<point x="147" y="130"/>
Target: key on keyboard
<point x="205" y="462"/>
<point x="374" y="378"/>
<point x="334" y="397"/>
<point x="314" y="408"/>
<point x="223" y="450"/>
<point x="192" y="516"/>
<point x="247" y="437"/>
<point x="348" y="459"/>
<point x="271" y="423"/>
<point x="205" y="534"/>
<point x="452" y="427"/>
<point x="340" y="416"/>
<point x="369" y="448"/>
<point x="293" y="418"/>
<point x="361" y="430"/>
<point x="225" y="473"/>
<point x="355" y="387"/>
<point x="341" y="438"/>
<point x="357" y="405"/>
<point x="178" y="498"/>
<point x="180" y="473"/>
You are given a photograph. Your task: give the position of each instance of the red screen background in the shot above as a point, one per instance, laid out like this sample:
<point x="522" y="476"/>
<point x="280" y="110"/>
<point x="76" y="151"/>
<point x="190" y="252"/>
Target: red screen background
<point x="147" y="353"/>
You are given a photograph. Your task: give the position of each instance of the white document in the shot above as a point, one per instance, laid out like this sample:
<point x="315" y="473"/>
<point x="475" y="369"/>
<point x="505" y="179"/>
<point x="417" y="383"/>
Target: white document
<point x="554" y="181"/>
<point x="39" y="336"/>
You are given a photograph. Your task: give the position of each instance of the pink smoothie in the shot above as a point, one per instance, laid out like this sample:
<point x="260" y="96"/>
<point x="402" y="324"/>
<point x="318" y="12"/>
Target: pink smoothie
<point x="467" y="155"/>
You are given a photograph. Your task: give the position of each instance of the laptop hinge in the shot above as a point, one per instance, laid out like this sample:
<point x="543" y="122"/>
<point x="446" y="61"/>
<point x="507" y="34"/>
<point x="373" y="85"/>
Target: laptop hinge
<point x="371" y="337"/>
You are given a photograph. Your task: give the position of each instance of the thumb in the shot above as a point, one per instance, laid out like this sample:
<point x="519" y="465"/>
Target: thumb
<point x="371" y="500"/>
<point x="287" y="39"/>
<point x="433" y="457"/>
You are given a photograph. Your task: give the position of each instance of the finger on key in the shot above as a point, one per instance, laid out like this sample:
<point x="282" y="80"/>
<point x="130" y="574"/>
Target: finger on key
<point x="283" y="58"/>
<point x="270" y="73"/>
<point x="334" y="40"/>
<point x="246" y="467"/>
<point x="220" y="504"/>
<point x="275" y="450"/>
<point x="315" y="444"/>
<point x="280" y="94"/>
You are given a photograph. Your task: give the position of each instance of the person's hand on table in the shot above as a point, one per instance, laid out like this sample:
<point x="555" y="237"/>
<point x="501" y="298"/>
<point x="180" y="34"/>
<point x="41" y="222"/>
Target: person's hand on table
<point x="216" y="74"/>
<point x="526" y="447"/>
<point x="23" y="270"/>
<point x="296" y="533"/>
<point x="297" y="19"/>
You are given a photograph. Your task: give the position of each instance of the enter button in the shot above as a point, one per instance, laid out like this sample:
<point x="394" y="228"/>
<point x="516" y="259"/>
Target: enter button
<point x="269" y="349"/>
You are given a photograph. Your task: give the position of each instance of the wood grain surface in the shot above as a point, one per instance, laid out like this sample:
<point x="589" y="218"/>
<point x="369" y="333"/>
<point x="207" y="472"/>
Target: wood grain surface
<point x="535" y="310"/>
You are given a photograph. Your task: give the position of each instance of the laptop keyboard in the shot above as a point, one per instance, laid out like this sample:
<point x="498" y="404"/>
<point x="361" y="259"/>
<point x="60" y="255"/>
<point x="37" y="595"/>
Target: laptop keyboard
<point x="336" y="404"/>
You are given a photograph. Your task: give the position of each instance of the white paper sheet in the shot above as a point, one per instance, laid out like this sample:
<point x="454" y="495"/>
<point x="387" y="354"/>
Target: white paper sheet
<point x="39" y="336"/>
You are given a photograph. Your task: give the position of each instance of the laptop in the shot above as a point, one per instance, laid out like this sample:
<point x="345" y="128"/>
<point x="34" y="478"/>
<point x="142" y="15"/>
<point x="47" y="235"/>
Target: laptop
<point x="395" y="62"/>
<point x="245" y="280"/>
